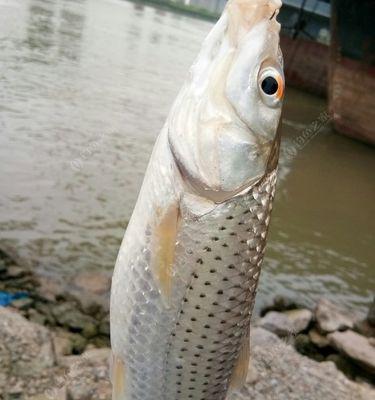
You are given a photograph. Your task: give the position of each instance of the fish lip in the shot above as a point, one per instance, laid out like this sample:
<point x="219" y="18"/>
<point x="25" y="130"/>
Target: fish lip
<point x="273" y="15"/>
<point x="275" y="24"/>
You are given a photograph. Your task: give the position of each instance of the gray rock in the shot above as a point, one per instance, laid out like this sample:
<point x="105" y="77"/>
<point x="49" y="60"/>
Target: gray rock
<point x="343" y="364"/>
<point x="281" y="303"/>
<point x="94" y="305"/>
<point x="318" y="339"/>
<point x="23" y="304"/>
<point x="93" y="282"/>
<point x="364" y="328"/>
<point x="45" y="309"/>
<point x="49" y="289"/>
<point x="89" y="380"/>
<point x="5" y="362"/>
<point x="26" y="345"/>
<point x="104" y="327"/>
<point x="101" y="341"/>
<point x="79" y="343"/>
<point x="3" y="268"/>
<point x="330" y="318"/>
<point x="301" y="319"/>
<point x="27" y="361"/>
<point x="35" y="316"/>
<point x="278" y="323"/>
<point x="25" y="283"/>
<point x="356" y="347"/>
<point x="371" y="314"/>
<point x="51" y="394"/>
<point x="286" y="323"/>
<point x="71" y="343"/>
<point x="62" y="345"/>
<point x="69" y="316"/>
<point x="16" y="392"/>
<point x="92" y="291"/>
<point x="283" y="374"/>
<point x="304" y="346"/>
<point x="15" y="271"/>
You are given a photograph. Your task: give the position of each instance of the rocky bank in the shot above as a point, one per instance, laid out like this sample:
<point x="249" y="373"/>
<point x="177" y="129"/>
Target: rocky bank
<point x="54" y="344"/>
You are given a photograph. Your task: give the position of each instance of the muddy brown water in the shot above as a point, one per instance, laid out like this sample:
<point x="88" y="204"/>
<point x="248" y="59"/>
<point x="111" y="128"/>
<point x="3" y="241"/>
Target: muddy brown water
<point x="84" y="89"/>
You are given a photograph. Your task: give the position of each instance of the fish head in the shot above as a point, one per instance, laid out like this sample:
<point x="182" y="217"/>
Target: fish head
<point x="222" y="129"/>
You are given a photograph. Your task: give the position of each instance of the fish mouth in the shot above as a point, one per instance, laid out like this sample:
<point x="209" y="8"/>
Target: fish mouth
<point x="274" y="23"/>
<point x="244" y="14"/>
<point x="275" y="14"/>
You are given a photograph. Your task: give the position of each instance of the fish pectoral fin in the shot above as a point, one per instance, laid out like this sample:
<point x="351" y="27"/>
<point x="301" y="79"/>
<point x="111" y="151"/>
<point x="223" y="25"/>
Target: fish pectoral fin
<point x="118" y="378"/>
<point x="163" y="248"/>
<point x="241" y="367"/>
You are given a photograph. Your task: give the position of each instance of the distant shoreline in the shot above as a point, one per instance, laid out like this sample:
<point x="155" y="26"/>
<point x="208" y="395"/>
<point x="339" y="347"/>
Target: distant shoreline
<point x="181" y="8"/>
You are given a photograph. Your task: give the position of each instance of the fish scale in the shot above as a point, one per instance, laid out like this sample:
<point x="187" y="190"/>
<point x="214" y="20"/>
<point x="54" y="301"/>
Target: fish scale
<point x="214" y="315"/>
<point x="199" y="336"/>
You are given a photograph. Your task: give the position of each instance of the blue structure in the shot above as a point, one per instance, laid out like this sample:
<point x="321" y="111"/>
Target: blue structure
<point x="7" y="298"/>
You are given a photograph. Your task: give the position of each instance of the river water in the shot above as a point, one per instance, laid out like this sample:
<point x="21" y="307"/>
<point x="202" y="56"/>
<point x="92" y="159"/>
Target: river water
<point x="85" y="87"/>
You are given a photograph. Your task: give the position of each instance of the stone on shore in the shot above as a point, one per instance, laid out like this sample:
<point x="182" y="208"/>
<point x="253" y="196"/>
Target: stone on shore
<point x="356" y="347"/>
<point x="62" y="345"/>
<point x="365" y="328"/>
<point x="25" y="345"/>
<point x="286" y="323"/>
<point x="276" y="322"/>
<point x="45" y="308"/>
<point x="304" y="346"/>
<point x="23" y="303"/>
<point x="15" y="272"/>
<point x="35" y="316"/>
<point x="51" y="394"/>
<point x="283" y="374"/>
<point x="49" y="289"/>
<point x="371" y="314"/>
<point x="92" y="290"/>
<point x="93" y="282"/>
<point x="330" y="318"/>
<point x="343" y="364"/>
<point x="282" y="303"/>
<point x="301" y="319"/>
<point x="3" y="266"/>
<point x="89" y="376"/>
<point x="104" y="327"/>
<point x="318" y="339"/>
<point x="69" y="316"/>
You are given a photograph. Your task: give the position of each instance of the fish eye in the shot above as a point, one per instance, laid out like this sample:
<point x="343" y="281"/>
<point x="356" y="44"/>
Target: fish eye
<point x="271" y="86"/>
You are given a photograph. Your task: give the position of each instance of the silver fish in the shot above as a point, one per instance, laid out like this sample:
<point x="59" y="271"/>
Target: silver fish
<point x="185" y="279"/>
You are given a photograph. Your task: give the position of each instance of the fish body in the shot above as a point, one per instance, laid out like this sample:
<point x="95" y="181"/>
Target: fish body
<point x="185" y="279"/>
